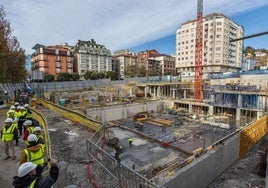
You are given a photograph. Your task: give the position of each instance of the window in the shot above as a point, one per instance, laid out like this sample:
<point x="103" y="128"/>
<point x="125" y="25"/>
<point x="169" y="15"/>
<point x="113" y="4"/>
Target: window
<point x="219" y="23"/>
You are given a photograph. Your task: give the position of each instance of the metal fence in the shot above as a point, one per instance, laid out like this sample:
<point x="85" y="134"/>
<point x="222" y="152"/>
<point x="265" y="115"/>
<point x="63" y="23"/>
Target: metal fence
<point x="105" y="171"/>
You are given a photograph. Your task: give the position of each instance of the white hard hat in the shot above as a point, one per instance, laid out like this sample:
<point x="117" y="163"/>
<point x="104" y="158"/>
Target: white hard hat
<point x="26" y="168"/>
<point x="16" y="104"/>
<point x="9" y="120"/>
<point x="32" y="138"/>
<point x="37" y="129"/>
<point x="26" y="105"/>
<point x="22" y="108"/>
<point x="12" y="107"/>
<point x="10" y="111"/>
<point x="28" y="122"/>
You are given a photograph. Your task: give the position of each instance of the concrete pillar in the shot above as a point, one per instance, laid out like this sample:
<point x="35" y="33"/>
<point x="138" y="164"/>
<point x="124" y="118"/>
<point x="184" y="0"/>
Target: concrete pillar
<point x="211" y="110"/>
<point x="145" y="91"/>
<point x="239" y="101"/>
<point x="173" y="94"/>
<point x="237" y="118"/>
<point x="259" y="114"/>
<point x="158" y="91"/>
<point x="190" y="108"/>
<point x="184" y="94"/>
<point x="154" y="92"/>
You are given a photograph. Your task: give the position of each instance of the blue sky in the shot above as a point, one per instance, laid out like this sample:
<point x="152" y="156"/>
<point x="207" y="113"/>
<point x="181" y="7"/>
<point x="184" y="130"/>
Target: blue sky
<point x="124" y="24"/>
<point x="253" y="21"/>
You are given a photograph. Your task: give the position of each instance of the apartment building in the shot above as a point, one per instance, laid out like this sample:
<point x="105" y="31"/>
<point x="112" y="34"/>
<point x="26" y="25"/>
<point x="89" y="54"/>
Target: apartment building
<point x="52" y="59"/>
<point x="143" y="57"/>
<point x="219" y="54"/>
<point x="125" y="62"/>
<point x="90" y="56"/>
<point x="167" y="64"/>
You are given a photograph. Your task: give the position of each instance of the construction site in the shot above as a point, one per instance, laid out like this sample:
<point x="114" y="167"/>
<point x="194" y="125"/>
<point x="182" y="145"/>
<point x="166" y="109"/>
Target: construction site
<point x="87" y="129"/>
<point x="136" y="133"/>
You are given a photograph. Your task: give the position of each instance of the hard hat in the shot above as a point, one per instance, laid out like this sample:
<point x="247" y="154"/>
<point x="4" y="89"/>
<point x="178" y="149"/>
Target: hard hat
<point x="28" y="122"/>
<point x="12" y="107"/>
<point x="9" y="120"/>
<point x="22" y="108"/>
<point x="16" y="104"/>
<point x="37" y="129"/>
<point x="26" y="168"/>
<point x="26" y="105"/>
<point x="10" y="111"/>
<point x="32" y="138"/>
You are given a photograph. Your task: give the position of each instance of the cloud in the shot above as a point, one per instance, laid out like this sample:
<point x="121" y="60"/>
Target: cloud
<point x="117" y="24"/>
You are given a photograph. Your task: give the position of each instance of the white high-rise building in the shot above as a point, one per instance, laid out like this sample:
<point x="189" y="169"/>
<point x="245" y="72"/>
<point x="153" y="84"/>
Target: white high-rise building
<point x="219" y="54"/>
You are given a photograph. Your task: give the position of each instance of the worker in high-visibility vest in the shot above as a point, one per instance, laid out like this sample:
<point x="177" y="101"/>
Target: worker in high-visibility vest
<point x="38" y="132"/>
<point x="30" y="175"/>
<point x="130" y="140"/>
<point x="29" y="130"/>
<point x="28" y="111"/>
<point x="9" y="133"/>
<point x="11" y="114"/>
<point x="34" y="152"/>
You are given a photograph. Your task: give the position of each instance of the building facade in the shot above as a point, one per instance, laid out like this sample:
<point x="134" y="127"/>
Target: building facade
<point x="143" y="57"/>
<point x="90" y="56"/>
<point x="125" y="63"/>
<point x="52" y="60"/>
<point x="167" y="64"/>
<point x="219" y="54"/>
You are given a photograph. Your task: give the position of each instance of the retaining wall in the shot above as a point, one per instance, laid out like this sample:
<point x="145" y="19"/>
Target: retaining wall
<point x="123" y="111"/>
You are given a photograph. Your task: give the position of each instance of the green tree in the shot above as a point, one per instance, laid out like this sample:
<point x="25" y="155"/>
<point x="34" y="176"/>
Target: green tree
<point x="88" y="75"/>
<point x="75" y="76"/>
<point x="65" y="76"/>
<point x="250" y="50"/>
<point x="100" y="75"/>
<point x="49" y="77"/>
<point x="12" y="56"/>
<point x="111" y="74"/>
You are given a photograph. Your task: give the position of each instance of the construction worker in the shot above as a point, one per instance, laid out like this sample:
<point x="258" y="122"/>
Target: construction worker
<point x="9" y="133"/>
<point x="30" y="175"/>
<point x="28" y="111"/>
<point x="130" y="140"/>
<point x="11" y="114"/>
<point x="29" y="129"/>
<point x="38" y="133"/>
<point x="34" y="151"/>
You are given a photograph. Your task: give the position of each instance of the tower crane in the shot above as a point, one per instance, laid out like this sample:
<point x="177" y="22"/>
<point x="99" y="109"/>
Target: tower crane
<point x="198" y="52"/>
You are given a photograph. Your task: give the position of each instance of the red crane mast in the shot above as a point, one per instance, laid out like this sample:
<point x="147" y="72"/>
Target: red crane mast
<point x="198" y="52"/>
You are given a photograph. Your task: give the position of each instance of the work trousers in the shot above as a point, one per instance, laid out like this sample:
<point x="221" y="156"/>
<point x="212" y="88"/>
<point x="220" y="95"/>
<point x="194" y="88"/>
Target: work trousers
<point x="9" y="148"/>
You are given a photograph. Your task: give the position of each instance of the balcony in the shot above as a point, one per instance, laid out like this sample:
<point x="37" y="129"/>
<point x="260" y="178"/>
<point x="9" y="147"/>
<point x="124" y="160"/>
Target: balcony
<point x="57" y="64"/>
<point x="57" y="58"/>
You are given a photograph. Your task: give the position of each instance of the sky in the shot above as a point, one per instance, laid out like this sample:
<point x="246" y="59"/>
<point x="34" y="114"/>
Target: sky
<point x="124" y="24"/>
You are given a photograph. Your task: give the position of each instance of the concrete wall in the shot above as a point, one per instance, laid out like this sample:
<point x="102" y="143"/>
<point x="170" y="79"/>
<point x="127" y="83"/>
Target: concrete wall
<point x="205" y="169"/>
<point x="111" y="113"/>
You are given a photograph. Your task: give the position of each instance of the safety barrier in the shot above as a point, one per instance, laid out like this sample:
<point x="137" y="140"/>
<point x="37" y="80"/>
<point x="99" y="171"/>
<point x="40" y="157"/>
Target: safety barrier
<point x="42" y="122"/>
<point x="72" y="115"/>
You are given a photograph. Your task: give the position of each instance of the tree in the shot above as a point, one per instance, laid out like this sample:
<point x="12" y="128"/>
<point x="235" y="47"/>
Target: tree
<point x="250" y="50"/>
<point x="75" y="76"/>
<point x="100" y="75"/>
<point x="12" y="56"/>
<point x="111" y="74"/>
<point x="88" y="75"/>
<point x="49" y="77"/>
<point x="65" y="76"/>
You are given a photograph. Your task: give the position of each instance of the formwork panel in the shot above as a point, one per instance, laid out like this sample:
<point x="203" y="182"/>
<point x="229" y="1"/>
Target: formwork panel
<point x="251" y="135"/>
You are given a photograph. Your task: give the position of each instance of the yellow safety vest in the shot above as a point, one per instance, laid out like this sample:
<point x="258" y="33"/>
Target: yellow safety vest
<point x="37" y="157"/>
<point x="32" y="184"/>
<point x="31" y="129"/>
<point x="29" y="115"/>
<point x="8" y="133"/>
